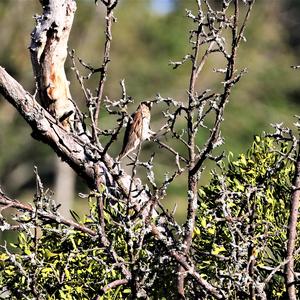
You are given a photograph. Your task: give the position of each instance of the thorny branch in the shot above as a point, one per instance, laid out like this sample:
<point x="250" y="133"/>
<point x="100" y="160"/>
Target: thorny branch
<point x="292" y="232"/>
<point x="199" y="37"/>
<point x="110" y="5"/>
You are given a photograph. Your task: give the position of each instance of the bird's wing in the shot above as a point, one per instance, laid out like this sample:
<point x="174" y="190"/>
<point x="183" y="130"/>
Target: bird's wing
<point x="132" y="132"/>
<point x="137" y="124"/>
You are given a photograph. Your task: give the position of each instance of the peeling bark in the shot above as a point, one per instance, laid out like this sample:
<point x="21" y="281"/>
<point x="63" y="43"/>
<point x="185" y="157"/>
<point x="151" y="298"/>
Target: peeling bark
<point x="48" y="51"/>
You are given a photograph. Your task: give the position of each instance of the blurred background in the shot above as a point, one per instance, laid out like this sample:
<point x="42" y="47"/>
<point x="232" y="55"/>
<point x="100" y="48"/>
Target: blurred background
<point x="147" y="35"/>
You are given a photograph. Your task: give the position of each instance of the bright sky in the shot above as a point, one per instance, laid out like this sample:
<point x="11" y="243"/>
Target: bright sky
<point x="162" y="6"/>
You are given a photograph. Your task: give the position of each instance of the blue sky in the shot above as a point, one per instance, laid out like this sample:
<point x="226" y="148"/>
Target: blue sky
<point x="162" y="6"/>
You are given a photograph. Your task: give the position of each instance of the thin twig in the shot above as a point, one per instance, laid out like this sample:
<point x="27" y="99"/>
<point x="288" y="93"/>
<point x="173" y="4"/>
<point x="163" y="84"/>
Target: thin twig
<point x="106" y="58"/>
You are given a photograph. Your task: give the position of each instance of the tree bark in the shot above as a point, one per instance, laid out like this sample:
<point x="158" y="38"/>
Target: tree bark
<point x="292" y="233"/>
<point x="48" y="51"/>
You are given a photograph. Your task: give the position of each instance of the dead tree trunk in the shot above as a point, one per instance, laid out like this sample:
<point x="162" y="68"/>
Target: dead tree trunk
<point x="48" y="51"/>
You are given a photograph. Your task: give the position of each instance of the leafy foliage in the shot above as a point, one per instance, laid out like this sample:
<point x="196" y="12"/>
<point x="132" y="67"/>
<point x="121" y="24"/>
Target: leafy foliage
<point x="238" y="241"/>
<point x="63" y="263"/>
<point x="242" y="220"/>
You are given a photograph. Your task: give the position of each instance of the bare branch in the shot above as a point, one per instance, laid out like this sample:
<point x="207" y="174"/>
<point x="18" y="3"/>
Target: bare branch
<point x="43" y="215"/>
<point x="106" y="56"/>
<point x="292" y="232"/>
<point x="114" y="284"/>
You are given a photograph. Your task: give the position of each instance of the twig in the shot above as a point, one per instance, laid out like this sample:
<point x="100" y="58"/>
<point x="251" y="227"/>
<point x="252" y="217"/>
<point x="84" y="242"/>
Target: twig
<point x="115" y="284"/>
<point x="5" y="200"/>
<point x="106" y="56"/>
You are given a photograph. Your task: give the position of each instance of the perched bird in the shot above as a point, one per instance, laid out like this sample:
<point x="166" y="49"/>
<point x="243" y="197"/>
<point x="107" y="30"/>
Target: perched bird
<point x="137" y="130"/>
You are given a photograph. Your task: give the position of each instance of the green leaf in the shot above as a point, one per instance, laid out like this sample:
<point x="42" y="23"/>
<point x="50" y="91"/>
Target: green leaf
<point x="9" y="272"/>
<point x="211" y="230"/>
<point x="243" y="159"/>
<point x="49" y="254"/>
<point x="67" y="272"/>
<point x="27" y="251"/>
<point x="257" y="139"/>
<point x="203" y="222"/>
<point x="217" y="249"/>
<point x="197" y="231"/>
